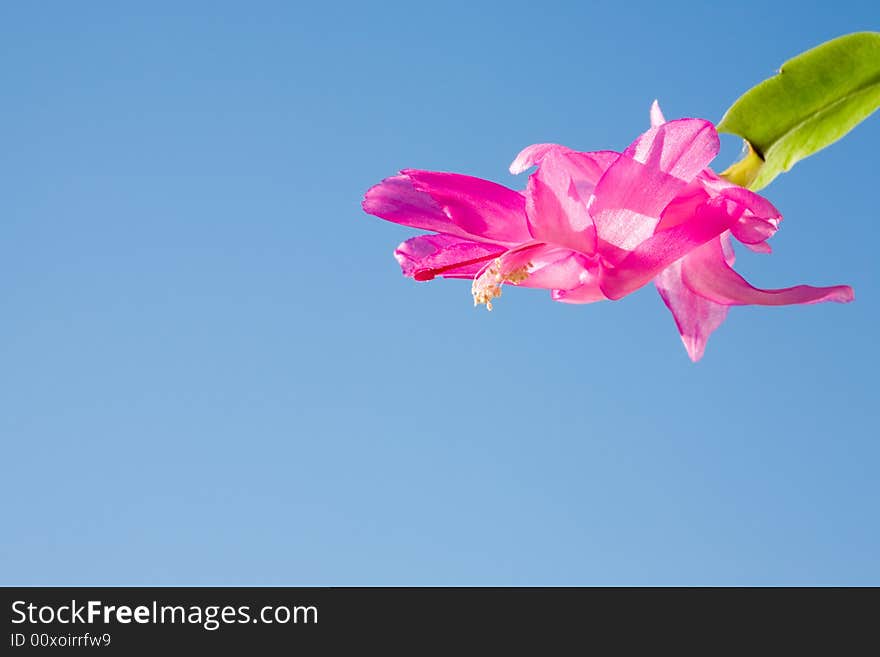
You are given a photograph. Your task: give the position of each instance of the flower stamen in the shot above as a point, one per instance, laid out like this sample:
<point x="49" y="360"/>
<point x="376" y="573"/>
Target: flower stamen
<point x="487" y="286"/>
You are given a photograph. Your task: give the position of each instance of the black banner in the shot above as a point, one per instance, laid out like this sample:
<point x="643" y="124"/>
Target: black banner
<point x="539" y="620"/>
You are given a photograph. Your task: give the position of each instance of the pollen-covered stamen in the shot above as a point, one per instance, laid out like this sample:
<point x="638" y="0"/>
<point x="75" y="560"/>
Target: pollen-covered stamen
<point x="487" y="286"/>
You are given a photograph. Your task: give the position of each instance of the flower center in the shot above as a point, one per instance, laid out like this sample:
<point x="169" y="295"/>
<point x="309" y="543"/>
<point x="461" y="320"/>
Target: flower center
<point x="487" y="286"/>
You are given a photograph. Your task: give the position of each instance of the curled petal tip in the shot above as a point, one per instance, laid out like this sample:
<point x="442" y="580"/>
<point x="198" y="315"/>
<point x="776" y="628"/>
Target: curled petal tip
<point x="531" y="156"/>
<point x="844" y="295"/>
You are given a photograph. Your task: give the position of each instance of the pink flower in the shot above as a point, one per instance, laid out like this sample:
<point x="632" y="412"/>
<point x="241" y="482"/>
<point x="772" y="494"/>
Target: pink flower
<point x="596" y="226"/>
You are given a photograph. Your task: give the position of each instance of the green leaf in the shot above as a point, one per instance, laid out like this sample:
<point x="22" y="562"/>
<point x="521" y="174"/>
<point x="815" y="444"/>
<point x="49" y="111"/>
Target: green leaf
<point x="814" y="100"/>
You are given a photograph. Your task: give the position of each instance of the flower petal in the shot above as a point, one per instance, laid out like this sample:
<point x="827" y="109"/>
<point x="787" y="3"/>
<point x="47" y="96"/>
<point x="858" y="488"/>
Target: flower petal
<point x="594" y="163"/>
<point x="707" y="273"/>
<point x="696" y="317"/>
<point x="557" y="269"/>
<point x="427" y="256"/>
<point x="556" y="212"/>
<point x="587" y="292"/>
<point x="681" y="148"/>
<point x="759" y="247"/>
<point x="570" y="276"/>
<point x="532" y="155"/>
<point x="665" y="247"/>
<point x="657" y="117"/>
<point x="651" y="172"/>
<point x="683" y="206"/>
<point x="759" y="220"/>
<point x="451" y="203"/>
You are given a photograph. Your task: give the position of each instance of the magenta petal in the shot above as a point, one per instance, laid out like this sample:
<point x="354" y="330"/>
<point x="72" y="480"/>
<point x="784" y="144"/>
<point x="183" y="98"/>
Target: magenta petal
<point x="587" y="292"/>
<point x="681" y="148"/>
<point x="532" y="155"/>
<point x="627" y="204"/>
<point x="451" y="203"/>
<point x="556" y="212"/>
<point x="524" y="256"/>
<point x="634" y="191"/>
<point x="483" y="208"/>
<point x="657" y="117"/>
<point x="759" y="220"/>
<point x="683" y="206"/>
<point x="586" y="168"/>
<point x="428" y="256"/>
<point x="665" y="247"/>
<point x="695" y="316"/>
<point x="396" y="199"/>
<point x="556" y="268"/>
<point x="706" y="273"/>
<point x="537" y="265"/>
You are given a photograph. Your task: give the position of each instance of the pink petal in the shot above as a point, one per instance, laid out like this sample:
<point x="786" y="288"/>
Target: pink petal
<point x="587" y="292"/>
<point x="627" y="204"/>
<point x="707" y="273"/>
<point x="556" y="212"/>
<point x="696" y="317"/>
<point x="587" y="169"/>
<point x="665" y="247"/>
<point x="727" y="248"/>
<point x="525" y="255"/>
<point x="548" y="267"/>
<point x="556" y="268"/>
<point x="657" y="117"/>
<point x="593" y="163"/>
<point x="634" y="191"/>
<point x="759" y="220"/>
<point x="681" y="148"/>
<point x="427" y="256"/>
<point x="532" y="155"/>
<point x="683" y="206"/>
<point x="451" y="203"/>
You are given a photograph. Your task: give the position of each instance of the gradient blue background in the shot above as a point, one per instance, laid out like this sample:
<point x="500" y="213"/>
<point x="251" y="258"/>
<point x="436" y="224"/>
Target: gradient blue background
<point x="213" y="372"/>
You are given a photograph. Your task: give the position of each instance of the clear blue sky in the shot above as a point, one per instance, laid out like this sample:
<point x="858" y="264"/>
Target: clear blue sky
<point x="213" y="372"/>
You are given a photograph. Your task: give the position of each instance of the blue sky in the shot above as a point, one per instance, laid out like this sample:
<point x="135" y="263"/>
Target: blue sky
<point x="213" y="372"/>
